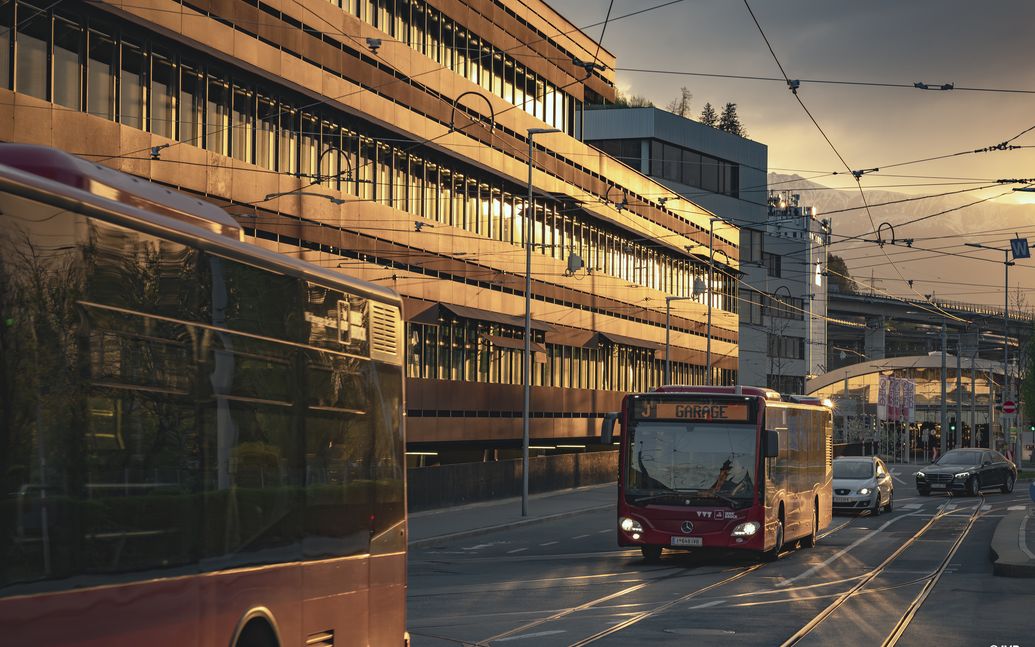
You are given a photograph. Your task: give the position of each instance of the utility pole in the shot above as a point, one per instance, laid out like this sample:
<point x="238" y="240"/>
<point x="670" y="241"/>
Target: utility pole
<point x="959" y="391"/>
<point x="945" y="408"/>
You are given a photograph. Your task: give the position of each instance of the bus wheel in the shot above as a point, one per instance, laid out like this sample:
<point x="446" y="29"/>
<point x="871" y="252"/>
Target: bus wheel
<point x="774" y="554"/>
<point x="810" y="541"/>
<point x="651" y="554"/>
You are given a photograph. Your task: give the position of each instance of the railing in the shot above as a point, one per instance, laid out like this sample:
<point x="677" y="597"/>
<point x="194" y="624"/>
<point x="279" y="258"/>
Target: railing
<point x="957" y="306"/>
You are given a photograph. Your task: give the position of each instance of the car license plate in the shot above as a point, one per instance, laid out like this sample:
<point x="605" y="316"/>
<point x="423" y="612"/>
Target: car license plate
<point x="687" y="541"/>
<point x="937" y="486"/>
<point x="842" y="499"/>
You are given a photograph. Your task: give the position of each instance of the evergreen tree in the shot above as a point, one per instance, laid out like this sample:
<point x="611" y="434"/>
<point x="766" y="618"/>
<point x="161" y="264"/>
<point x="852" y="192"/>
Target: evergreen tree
<point x="708" y="116"/>
<point x="623" y="100"/>
<point x="837" y="275"/>
<point x="681" y="104"/>
<point x="730" y="122"/>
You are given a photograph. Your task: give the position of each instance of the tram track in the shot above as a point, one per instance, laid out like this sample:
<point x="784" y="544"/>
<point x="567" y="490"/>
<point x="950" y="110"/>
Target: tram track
<point x="872" y="574"/>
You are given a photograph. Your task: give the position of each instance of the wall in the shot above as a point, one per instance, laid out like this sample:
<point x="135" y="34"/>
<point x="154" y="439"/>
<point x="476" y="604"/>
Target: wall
<point x="448" y="485"/>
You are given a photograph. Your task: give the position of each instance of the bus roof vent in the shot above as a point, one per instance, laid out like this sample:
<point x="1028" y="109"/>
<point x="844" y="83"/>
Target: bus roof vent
<point x="59" y="166"/>
<point x="385" y="333"/>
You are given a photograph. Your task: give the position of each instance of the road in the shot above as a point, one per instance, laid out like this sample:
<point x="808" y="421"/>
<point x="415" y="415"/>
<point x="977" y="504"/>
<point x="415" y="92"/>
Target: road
<point x="920" y="575"/>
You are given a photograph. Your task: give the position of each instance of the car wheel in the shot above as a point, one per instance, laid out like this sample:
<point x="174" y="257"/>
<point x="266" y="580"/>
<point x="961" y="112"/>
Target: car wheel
<point x="974" y="486"/>
<point x="924" y="491"/>
<point x="651" y="554"/>
<point x="810" y="540"/>
<point x="891" y="502"/>
<point x="774" y="554"/>
<point x="1008" y="486"/>
<point x="875" y="510"/>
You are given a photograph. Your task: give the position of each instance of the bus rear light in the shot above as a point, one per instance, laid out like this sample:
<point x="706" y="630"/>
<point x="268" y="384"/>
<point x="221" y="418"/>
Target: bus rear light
<point x="746" y="529"/>
<point x="630" y="525"/>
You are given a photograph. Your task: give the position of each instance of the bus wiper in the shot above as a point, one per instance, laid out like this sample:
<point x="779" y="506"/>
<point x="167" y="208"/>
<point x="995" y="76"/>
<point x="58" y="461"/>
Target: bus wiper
<point x="662" y="495"/>
<point x="705" y="494"/>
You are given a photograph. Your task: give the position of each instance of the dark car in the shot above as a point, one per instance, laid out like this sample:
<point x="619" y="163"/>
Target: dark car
<point x="967" y="471"/>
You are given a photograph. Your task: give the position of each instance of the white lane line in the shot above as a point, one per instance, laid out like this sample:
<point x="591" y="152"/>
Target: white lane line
<point x="516" y="550"/>
<point x="1017" y="507"/>
<point x="840" y="553"/>
<point x="986" y="507"/>
<point x="538" y="634"/>
<point x="1021" y="537"/>
<point x="580" y="536"/>
<point x="549" y="543"/>
<point x="912" y="506"/>
<point x="604" y="531"/>
<point x="713" y="603"/>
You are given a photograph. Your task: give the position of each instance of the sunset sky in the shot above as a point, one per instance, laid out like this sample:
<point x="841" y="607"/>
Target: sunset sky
<point x="975" y="45"/>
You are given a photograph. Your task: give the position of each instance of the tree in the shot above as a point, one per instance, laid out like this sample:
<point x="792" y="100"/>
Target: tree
<point x="730" y="122"/>
<point x="632" y="101"/>
<point x="681" y="105"/>
<point x="708" y="116"/>
<point x="1027" y="388"/>
<point x="837" y="273"/>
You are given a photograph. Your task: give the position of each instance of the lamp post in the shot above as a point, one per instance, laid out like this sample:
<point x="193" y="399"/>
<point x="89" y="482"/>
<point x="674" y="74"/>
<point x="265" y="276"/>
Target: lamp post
<point x="711" y="274"/>
<point x="772" y="332"/>
<point x="526" y="374"/>
<point x="1006" y="334"/>
<point x="668" y="330"/>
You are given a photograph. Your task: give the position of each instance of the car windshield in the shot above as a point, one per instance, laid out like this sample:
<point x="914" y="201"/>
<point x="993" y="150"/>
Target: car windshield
<point x="853" y="469"/>
<point x="960" y="458"/>
<point x="709" y="460"/>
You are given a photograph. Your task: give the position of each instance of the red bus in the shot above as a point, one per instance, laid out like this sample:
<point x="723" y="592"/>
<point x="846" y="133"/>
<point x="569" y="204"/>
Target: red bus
<point x="201" y="440"/>
<point x="721" y="467"/>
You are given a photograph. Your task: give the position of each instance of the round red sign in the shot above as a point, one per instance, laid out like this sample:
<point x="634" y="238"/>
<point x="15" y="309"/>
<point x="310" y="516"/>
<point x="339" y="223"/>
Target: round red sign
<point x="1009" y="407"/>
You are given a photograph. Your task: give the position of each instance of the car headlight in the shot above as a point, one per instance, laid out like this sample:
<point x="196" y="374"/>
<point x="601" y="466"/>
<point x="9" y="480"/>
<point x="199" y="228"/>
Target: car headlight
<point x="746" y="529"/>
<point x="630" y="525"/>
<point x="962" y="475"/>
<point x="921" y="475"/>
<point x="865" y="490"/>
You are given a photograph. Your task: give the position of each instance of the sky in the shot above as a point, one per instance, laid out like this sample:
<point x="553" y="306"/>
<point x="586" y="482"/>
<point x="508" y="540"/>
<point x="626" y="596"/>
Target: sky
<point x="988" y="45"/>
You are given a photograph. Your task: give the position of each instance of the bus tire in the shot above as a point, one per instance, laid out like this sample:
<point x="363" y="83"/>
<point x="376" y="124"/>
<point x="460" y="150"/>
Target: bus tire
<point x="651" y="554"/>
<point x="773" y="554"/>
<point x="809" y="541"/>
<point x="257" y="633"/>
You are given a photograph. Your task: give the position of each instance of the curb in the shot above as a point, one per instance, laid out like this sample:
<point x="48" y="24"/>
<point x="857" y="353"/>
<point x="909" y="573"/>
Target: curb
<point x="474" y="532"/>
<point x="1007" y="558"/>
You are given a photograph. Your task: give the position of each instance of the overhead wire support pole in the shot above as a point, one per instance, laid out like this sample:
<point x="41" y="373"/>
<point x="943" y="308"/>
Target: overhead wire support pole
<point x="526" y="374"/>
<point x="945" y="409"/>
<point x="711" y="277"/>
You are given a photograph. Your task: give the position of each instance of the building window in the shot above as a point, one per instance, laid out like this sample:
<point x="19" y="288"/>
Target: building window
<point x="772" y="264"/>
<point x="192" y="93"/>
<point x="32" y="43"/>
<point x="163" y="95"/>
<point x="131" y="86"/>
<point x="751" y="245"/>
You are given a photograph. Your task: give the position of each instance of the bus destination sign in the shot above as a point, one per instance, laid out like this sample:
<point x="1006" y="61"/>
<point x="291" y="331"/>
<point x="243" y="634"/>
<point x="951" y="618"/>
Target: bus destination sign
<point x="697" y="411"/>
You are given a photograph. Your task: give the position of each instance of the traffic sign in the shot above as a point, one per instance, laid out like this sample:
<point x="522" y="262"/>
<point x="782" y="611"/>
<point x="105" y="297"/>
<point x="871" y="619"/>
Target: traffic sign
<point x="1020" y="247"/>
<point x="1009" y="407"/>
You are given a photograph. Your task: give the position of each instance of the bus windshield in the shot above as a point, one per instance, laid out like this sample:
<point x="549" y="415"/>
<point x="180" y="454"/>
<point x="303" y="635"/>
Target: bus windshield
<point x="707" y="460"/>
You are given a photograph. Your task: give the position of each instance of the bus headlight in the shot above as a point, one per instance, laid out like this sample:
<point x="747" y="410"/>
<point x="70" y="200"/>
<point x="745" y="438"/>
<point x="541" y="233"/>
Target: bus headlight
<point x="746" y="529"/>
<point x="630" y="525"/>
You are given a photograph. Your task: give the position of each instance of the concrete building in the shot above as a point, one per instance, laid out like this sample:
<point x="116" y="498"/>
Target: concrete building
<point x="388" y="139"/>
<point x="783" y="246"/>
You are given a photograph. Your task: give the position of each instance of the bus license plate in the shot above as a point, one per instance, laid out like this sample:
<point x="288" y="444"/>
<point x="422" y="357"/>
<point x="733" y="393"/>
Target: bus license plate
<point x="686" y="541"/>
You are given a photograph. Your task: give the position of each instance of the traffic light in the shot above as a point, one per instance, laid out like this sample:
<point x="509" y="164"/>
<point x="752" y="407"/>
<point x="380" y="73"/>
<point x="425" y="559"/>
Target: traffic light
<point x="1031" y="426"/>
<point x="952" y="425"/>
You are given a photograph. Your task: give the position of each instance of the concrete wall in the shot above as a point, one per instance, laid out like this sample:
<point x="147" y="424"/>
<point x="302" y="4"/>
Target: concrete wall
<point x="442" y="486"/>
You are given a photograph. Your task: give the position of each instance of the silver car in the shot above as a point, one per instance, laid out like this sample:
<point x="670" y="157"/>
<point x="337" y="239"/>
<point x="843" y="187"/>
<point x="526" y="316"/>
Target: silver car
<point x="862" y="483"/>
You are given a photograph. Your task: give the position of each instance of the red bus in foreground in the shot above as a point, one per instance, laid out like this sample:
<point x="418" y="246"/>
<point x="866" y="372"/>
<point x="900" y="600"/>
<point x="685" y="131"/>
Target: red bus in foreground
<point x="201" y="440"/>
<point x="721" y="468"/>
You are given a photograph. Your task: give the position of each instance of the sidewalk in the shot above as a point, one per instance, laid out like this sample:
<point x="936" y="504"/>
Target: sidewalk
<point x="433" y="526"/>
<point x="1013" y="545"/>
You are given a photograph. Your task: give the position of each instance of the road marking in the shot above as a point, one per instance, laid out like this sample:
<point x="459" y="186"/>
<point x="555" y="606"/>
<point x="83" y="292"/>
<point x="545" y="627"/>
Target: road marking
<point x="549" y="543"/>
<point x="603" y="531"/>
<point x="516" y="550"/>
<point x="538" y="634"/>
<point x="912" y="506"/>
<point x="581" y="536"/>
<point x="713" y="603"/>
<point x="986" y="507"/>
<point x="1017" y="507"/>
<point x="838" y="554"/>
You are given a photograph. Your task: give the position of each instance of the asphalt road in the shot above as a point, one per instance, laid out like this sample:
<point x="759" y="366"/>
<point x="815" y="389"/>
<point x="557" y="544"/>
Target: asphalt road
<point x="920" y="575"/>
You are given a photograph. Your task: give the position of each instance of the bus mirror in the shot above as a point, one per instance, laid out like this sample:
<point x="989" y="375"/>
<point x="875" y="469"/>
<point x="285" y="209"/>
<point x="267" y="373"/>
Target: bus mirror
<point x="607" y="428"/>
<point x="772" y="443"/>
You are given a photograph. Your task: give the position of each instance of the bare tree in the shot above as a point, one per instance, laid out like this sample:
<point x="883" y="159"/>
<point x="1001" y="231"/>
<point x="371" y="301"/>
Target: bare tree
<point x="681" y="104"/>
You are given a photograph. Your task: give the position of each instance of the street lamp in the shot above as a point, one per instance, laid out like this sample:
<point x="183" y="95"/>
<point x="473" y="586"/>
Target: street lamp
<point x="527" y="359"/>
<point x="668" y="329"/>
<point x="1006" y="331"/>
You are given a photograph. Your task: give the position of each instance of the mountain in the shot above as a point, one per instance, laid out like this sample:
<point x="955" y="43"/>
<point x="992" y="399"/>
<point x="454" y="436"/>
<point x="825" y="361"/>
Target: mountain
<point x="943" y="223"/>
